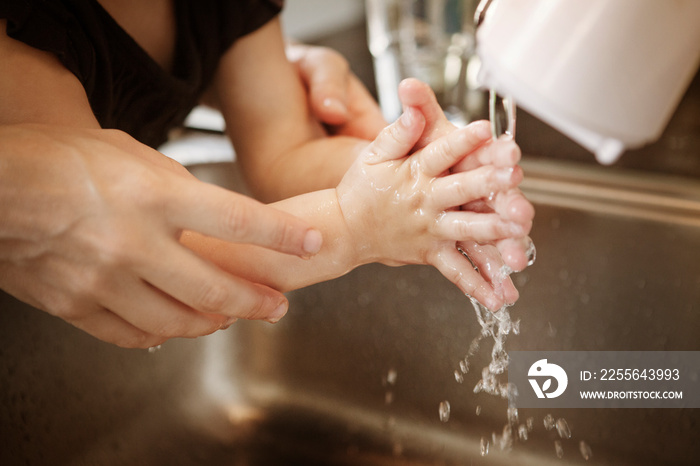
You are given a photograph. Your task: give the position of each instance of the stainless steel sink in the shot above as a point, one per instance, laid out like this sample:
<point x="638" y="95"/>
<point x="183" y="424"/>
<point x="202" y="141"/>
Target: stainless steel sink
<point x="355" y="373"/>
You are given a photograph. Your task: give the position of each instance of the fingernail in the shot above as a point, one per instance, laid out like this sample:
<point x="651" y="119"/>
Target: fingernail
<point x="312" y="242"/>
<point x="278" y="313"/>
<point x="408" y="117"/>
<point x="482" y="129"/>
<point x="229" y="323"/>
<point x="516" y="229"/>
<point x="334" y="105"/>
<point x="504" y="175"/>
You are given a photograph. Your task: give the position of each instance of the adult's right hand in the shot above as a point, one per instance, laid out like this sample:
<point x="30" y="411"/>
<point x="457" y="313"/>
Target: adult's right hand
<point x="89" y="227"/>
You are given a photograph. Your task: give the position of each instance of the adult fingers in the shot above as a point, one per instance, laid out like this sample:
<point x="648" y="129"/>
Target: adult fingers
<point x="109" y="327"/>
<point x="365" y="119"/>
<point x="397" y="139"/>
<point x="439" y="156"/>
<point x="166" y="317"/>
<point x="469" y="226"/>
<point x="457" y="268"/>
<point x="484" y="182"/>
<point x="217" y="212"/>
<point x="326" y="74"/>
<point x="202" y="286"/>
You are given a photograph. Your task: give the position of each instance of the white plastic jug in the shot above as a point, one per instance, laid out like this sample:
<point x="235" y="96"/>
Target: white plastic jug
<point x="607" y="73"/>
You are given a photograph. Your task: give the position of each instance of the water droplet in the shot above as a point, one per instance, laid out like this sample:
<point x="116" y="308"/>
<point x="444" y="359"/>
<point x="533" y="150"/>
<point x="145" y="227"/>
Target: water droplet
<point x="504" y="272"/>
<point x="153" y="349"/>
<point x="484" y="446"/>
<point x="531" y="253"/>
<point x="458" y="377"/>
<point x="516" y="327"/>
<point x="559" y="449"/>
<point x="563" y="428"/>
<point x="549" y="422"/>
<point x="506" y="440"/>
<point x="389" y="397"/>
<point x="512" y="415"/>
<point x="478" y="410"/>
<point x="585" y="450"/>
<point x="530" y="423"/>
<point x="522" y="432"/>
<point x="464" y="366"/>
<point x="391" y="377"/>
<point x="474" y="346"/>
<point x="444" y="411"/>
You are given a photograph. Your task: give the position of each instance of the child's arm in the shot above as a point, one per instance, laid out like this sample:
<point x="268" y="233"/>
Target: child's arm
<point x="282" y="149"/>
<point x="389" y="208"/>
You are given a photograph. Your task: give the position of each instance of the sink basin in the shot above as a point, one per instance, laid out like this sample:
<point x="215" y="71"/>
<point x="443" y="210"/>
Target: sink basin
<point x="356" y="372"/>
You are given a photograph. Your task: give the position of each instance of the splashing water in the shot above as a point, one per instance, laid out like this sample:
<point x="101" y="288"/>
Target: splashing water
<point x="531" y="253"/>
<point x="391" y="377"/>
<point x="585" y="450"/>
<point x="484" y="446"/>
<point x="522" y="432"/>
<point x="444" y="411"/>
<point x="502" y="115"/>
<point x="549" y="422"/>
<point x="563" y="428"/>
<point x="558" y="449"/>
<point x="530" y="422"/>
<point x="496" y="326"/>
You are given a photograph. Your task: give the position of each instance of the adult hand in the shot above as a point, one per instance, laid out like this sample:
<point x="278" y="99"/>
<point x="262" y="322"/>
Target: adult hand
<point x="336" y="96"/>
<point x="89" y="227"/>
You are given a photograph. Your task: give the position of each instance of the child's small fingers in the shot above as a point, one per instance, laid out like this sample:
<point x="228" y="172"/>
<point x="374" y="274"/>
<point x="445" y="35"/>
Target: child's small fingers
<point x="457" y="269"/>
<point x="512" y="205"/>
<point x="397" y="139"/>
<point x="469" y="226"/>
<point x="484" y="182"/>
<point x="499" y="153"/>
<point x="415" y="93"/>
<point x="442" y="154"/>
<point x="517" y="253"/>
<point x="491" y="265"/>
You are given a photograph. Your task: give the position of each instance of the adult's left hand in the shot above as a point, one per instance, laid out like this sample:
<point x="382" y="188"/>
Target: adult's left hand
<point x="336" y="95"/>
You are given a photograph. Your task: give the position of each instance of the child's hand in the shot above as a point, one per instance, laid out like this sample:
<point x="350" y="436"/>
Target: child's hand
<point x="406" y="209"/>
<point x="511" y="205"/>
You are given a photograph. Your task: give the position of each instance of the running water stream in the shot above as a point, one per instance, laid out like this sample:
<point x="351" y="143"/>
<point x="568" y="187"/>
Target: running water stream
<point x="496" y="326"/>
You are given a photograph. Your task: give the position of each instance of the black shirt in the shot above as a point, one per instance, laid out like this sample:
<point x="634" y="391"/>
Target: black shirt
<point x="126" y="88"/>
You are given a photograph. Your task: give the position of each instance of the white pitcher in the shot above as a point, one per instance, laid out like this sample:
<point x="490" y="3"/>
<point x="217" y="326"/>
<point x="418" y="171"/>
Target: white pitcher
<point x="607" y="73"/>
